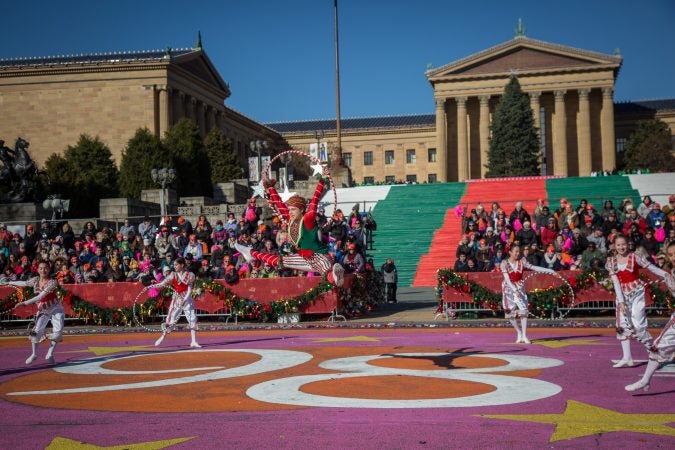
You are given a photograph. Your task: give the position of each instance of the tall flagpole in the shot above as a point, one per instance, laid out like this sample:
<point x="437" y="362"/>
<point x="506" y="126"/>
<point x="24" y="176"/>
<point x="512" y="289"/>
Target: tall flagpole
<point x="337" y="158"/>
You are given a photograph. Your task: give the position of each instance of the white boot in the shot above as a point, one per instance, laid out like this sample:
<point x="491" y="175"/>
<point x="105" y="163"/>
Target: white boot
<point x="514" y="322"/>
<point x="244" y="250"/>
<point x="33" y="355"/>
<point x="50" y="353"/>
<point x="644" y="382"/>
<point x="194" y="343"/>
<point x="158" y="342"/>
<point x="338" y="274"/>
<point x="523" y="323"/>
<point x="627" y="359"/>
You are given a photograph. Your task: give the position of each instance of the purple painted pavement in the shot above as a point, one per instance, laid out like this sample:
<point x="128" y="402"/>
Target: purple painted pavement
<point x="585" y="378"/>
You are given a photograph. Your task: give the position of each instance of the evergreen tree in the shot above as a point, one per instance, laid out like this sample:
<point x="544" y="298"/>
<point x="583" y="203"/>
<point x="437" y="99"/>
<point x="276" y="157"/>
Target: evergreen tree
<point x="514" y="147"/>
<point x="223" y="162"/>
<point x="186" y="149"/>
<point x="85" y="174"/>
<point x="650" y="147"/>
<point x="143" y="153"/>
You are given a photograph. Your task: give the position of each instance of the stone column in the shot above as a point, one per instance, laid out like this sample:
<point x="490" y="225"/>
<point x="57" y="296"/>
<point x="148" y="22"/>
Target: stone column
<point x="462" y="144"/>
<point x="180" y="105"/>
<point x="536" y="110"/>
<point x="194" y="112"/>
<point x="164" y="108"/>
<point x="484" y="132"/>
<point x="201" y="122"/>
<point x="584" y="134"/>
<point x="560" y="136"/>
<point x="607" y="130"/>
<point x="441" y="147"/>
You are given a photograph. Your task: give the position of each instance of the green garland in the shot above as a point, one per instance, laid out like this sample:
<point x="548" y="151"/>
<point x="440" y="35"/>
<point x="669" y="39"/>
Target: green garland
<point x="241" y="306"/>
<point x="252" y="309"/>
<point x="542" y="302"/>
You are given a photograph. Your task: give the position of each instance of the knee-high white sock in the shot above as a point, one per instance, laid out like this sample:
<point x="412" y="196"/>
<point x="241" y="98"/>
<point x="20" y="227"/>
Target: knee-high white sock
<point x="50" y="352"/>
<point x="523" y="323"/>
<point x="34" y="346"/>
<point x="193" y="333"/>
<point x="514" y="322"/>
<point x="652" y="365"/>
<point x="625" y="348"/>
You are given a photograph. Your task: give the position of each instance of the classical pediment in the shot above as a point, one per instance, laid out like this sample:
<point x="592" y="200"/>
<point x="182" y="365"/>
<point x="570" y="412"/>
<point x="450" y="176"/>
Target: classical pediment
<point x="199" y="65"/>
<point x="522" y="55"/>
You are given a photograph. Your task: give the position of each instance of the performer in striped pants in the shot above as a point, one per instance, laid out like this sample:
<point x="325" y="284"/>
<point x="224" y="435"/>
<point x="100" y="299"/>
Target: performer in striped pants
<point x="663" y="348"/>
<point x="310" y="255"/>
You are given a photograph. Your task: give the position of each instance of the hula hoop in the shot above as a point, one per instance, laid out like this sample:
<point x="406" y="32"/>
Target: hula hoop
<point x="556" y="275"/>
<point x="16" y="289"/>
<point x="162" y="327"/>
<point x="313" y="159"/>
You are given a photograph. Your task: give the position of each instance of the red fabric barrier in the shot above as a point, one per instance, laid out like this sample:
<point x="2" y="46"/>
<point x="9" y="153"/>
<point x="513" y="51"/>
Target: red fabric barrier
<point x="261" y="290"/>
<point x="493" y="282"/>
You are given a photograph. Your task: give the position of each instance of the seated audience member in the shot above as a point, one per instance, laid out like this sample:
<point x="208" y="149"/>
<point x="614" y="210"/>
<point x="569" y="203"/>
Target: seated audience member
<point x="598" y="238"/>
<point x="551" y="259"/>
<point x="472" y="265"/>
<point x="484" y="256"/>
<point x="461" y="264"/>
<point x="649" y="243"/>
<point x="589" y="255"/>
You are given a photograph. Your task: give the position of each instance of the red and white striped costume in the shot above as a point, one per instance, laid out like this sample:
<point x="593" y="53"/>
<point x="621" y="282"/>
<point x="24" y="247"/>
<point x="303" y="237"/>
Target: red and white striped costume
<point x="50" y="308"/>
<point x="663" y="349"/>
<point x="630" y="291"/>
<point x="181" y="301"/>
<point x="514" y="297"/>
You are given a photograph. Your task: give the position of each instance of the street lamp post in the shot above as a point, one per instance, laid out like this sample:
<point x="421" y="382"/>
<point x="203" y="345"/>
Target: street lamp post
<point x="163" y="177"/>
<point x="56" y="204"/>
<point x="257" y="147"/>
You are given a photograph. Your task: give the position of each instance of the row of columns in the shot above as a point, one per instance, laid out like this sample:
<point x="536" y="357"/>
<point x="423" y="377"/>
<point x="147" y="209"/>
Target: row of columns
<point x="170" y="105"/>
<point x="558" y="129"/>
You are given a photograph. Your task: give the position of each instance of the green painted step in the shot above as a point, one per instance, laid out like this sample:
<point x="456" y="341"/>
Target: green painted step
<point x="594" y="189"/>
<point x="406" y="222"/>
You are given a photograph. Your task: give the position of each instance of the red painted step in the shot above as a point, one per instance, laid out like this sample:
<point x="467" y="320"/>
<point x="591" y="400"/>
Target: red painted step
<point x="505" y="191"/>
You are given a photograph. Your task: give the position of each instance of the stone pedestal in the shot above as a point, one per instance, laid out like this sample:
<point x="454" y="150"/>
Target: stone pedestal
<point x="342" y="177"/>
<point x="118" y="209"/>
<point x="23" y="213"/>
<point x="153" y="196"/>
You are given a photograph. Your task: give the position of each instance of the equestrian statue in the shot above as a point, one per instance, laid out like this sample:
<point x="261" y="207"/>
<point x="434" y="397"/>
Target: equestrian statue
<point x="18" y="173"/>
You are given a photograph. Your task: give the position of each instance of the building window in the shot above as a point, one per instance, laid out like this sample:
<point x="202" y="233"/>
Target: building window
<point x="410" y="157"/>
<point x="389" y="157"/>
<point x="390" y="179"/>
<point x="367" y="158"/>
<point x="347" y="159"/>
<point x="368" y="180"/>
<point x="621" y="144"/>
<point x="411" y="178"/>
<point x="432" y="155"/>
<point x="431" y="178"/>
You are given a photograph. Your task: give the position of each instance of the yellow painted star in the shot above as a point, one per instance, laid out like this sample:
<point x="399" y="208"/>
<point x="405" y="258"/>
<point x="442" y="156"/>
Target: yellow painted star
<point x="60" y="443"/>
<point x="566" y="342"/>
<point x="581" y="419"/>
<point x="108" y="350"/>
<point x="347" y="339"/>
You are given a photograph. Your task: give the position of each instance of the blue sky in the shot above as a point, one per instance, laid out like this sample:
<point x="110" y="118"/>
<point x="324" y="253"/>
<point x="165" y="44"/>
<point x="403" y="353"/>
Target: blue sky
<point x="278" y="56"/>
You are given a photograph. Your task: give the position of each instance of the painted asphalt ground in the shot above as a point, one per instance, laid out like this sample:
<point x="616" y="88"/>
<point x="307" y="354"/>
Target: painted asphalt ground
<point x="334" y="388"/>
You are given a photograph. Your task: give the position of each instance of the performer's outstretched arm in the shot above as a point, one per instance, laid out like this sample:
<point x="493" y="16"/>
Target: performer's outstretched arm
<point x="275" y="201"/>
<point x="310" y="215"/>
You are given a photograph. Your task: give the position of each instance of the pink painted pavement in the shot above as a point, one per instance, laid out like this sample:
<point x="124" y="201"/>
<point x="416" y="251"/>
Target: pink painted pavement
<point x="417" y="388"/>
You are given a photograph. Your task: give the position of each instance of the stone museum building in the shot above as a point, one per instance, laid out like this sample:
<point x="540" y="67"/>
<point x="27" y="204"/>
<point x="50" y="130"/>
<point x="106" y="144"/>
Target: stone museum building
<point x="50" y="101"/>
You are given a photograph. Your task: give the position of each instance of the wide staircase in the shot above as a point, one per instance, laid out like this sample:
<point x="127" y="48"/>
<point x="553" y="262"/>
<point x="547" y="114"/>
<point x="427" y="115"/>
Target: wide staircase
<point x="406" y="222"/>
<point x="504" y="191"/>
<point x="594" y="189"/>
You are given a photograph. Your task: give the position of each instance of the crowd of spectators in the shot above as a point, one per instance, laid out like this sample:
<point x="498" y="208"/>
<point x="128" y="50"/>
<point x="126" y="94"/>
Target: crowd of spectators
<point x="145" y="251"/>
<point x="569" y="237"/>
